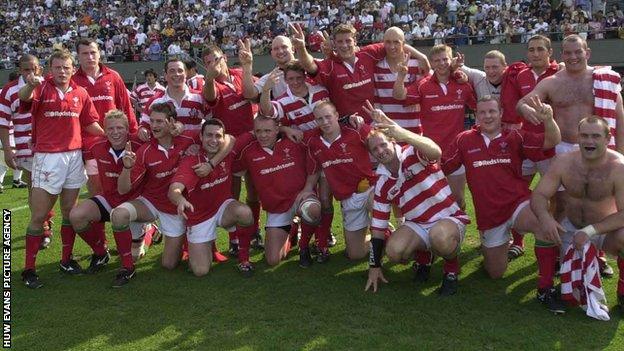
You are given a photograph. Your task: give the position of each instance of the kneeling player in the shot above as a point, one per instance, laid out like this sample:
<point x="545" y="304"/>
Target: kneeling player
<point x="108" y="154"/>
<point x="410" y="177"/>
<point x="339" y="152"/>
<point x="269" y="157"/>
<point x="208" y="202"/>
<point x="151" y="170"/>
<point x="493" y="159"/>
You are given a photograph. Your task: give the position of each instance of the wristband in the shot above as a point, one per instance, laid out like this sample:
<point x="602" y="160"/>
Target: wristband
<point x="376" y="249"/>
<point x="589" y="230"/>
<point x="210" y="163"/>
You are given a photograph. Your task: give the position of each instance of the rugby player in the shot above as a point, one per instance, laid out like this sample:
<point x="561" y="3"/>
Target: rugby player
<point x="144" y="92"/>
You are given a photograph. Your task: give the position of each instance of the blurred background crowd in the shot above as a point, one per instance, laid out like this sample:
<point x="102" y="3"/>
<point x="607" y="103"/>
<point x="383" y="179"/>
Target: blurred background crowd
<point x="152" y="29"/>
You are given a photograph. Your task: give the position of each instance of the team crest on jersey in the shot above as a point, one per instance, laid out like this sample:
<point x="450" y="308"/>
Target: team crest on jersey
<point x="459" y="94"/>
<point x="408" y="174"/>
<point x="344" y="147"/>
<point x="286" y="152"/>
<point x="503" y="146"/>
<point x="223" y="166"/>
<point x="107" y="86"/>
<point x="194" y="113"/>
<point x="75" y="100"/>
<point x="363" y="69"/>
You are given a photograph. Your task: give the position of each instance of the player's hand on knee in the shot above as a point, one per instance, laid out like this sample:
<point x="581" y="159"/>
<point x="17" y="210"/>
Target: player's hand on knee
<point x="552" y="229"/>
<point x="374" y="276"/>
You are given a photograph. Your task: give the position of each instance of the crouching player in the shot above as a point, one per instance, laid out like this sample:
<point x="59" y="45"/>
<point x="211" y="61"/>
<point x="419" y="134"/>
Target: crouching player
<point x="493" y="159"/>
<point x="207" y="202"/>
<point x="411" y="178"/>
<point x="108" y="154"/>
<point x="270" y="157"/>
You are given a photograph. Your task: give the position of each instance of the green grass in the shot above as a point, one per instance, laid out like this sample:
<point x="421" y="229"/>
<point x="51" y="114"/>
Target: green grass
<point x="289" y="308"/>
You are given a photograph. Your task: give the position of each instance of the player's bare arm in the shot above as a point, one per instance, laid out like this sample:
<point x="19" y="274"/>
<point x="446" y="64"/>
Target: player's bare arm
<point x="619" y="125"/>
<point x="423" y="61"/>
<point x="542" y="92"/>
<point x="95" y="129"/>
<point x="543" y="193"/>
<point x="552" y="134"/>
<point x="176" y="196"/>
<point x="32" y="82"/>
<point x="298" y="40"/>
<point x="266" y="107"/>
<point x="245" y="58"/>
<point x="399" y="91"/>
<point x="375" y="274"/>
<point x="427" y="147"/>
<point x="9" y="153"/>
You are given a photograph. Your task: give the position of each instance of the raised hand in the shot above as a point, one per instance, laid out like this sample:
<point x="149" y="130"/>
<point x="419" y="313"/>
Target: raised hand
<point x="34" y="80"/>
<point x="273" y="79"/>
<point x="129" y="157"/>
<point x="297" y="36"/>
<point x="542" y="111"/>
<point x="403" y="66"/>
<point x="458" y="61"/>
<point x="327" y="48"/>
<point x="212" y="68"/>
<point x="245" y="55"/>
<point x="376" y="114"/>
<point x="144" y="134"/>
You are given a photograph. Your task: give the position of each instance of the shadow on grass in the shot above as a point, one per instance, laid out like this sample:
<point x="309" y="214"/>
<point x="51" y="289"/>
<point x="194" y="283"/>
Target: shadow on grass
<point x="289" y="308"/>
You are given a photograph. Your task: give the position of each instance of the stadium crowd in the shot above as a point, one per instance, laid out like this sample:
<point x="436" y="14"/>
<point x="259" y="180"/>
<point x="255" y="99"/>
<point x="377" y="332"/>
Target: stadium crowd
<point x="153" y="29"/>
<point x="378" y="128"/>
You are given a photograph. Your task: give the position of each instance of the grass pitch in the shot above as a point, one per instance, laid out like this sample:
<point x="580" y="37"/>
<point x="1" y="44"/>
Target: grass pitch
<point x="323" y="307"/>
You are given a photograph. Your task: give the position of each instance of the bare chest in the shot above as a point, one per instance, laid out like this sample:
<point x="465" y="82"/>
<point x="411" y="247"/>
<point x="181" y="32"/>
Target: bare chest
<point x="594" y="185"/>
<point x="573" y="92"/>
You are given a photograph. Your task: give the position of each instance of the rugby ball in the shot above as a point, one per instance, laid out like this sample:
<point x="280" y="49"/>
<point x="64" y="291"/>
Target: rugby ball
<point x="307" y="208"/>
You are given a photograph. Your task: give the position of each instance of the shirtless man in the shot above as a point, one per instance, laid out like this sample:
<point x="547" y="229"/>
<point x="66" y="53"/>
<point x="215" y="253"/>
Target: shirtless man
<point x="594" y="195"/>
<point x="571" y="94"/>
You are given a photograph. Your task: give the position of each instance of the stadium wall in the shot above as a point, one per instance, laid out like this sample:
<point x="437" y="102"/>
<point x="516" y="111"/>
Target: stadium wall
<point x="608" y="52"/>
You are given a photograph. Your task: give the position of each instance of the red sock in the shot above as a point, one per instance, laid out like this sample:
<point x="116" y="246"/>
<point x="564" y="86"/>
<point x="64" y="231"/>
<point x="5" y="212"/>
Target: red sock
<point x="100" y="234"/>
<point x="451" y="265"/>
<point x="306" y="234"/>
<point x="255" y="211"/>
<point x="294" y="230"/>
<point x="424" y="257"/>
<point x="32" y="247"/>
<point x="233" y="236"/>
<point x="244" y="238"/>
<point x="518" y="239"/>
<point x="93" y="239"/>
<point x="620" y="262"/>
<point x="546" y="261"/>
<point x="324" y="229"/>
<point x="185" y="253"/>
<point x="68" y="236"/>
<point x="216" y="255"/>
<point x="149" y="234"/>
<point x="123" y="239"/>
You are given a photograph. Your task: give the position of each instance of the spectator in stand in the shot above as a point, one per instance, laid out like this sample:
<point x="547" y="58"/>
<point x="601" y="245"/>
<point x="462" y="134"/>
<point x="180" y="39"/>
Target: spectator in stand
<point x="155" y="51"/>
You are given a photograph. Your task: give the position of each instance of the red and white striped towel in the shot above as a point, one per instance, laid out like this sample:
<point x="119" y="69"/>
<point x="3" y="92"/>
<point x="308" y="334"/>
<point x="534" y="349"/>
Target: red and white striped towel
<point x="580" y="281"/>
<point x="606" y="90"/>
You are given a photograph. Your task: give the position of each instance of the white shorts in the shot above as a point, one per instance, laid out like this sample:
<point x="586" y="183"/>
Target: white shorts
<point x="24" y="163"/>
<point x="56" y="171"/>
<point x="422" y="230"/>
<point x="91" y="167"/>
<point x="136" y="228"/>
<point x="276" y="220"/>
<point x="171" y="225"/>
<point x="568" y="237"/>
<point x="531" y="167"/>
<point x="207" y="230"/>
<point x="564" y="148"/>
<point x="355" y="213"/>
<point x="461" y="170"/>
<point x="498" y="236"/>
